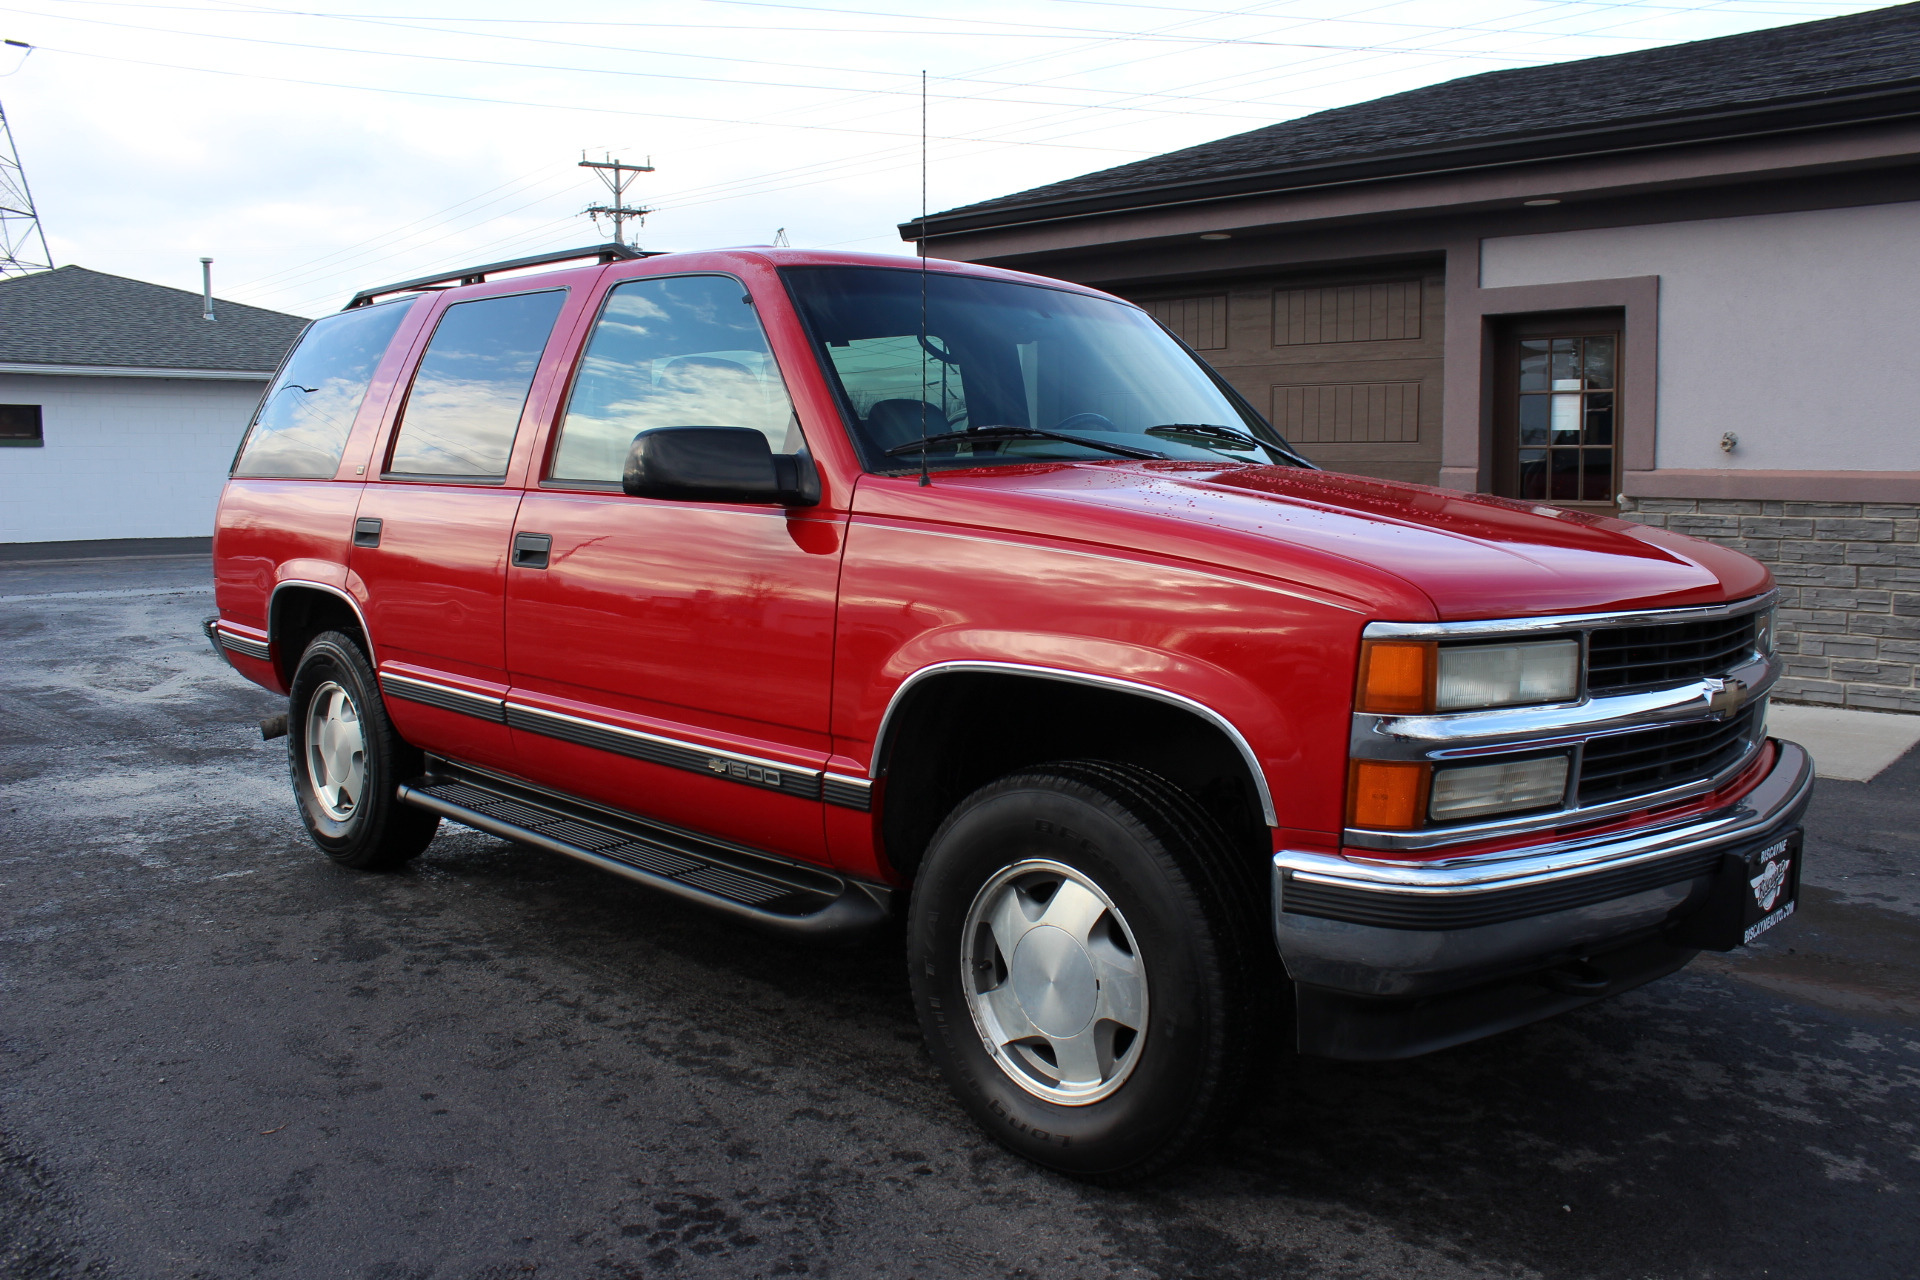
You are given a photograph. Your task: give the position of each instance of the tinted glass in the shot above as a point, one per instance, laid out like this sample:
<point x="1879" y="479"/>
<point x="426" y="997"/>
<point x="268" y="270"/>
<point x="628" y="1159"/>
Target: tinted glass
<point x="473" y="381"/>
<point x="302" y="424"/>
<point x="1006" y="355"/>
<point x="687" y="351"/>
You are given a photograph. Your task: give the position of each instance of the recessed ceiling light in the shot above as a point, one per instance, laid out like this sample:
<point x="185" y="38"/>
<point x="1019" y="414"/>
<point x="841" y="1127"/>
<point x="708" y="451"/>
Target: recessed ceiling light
<point x="1535" y="204"/>
<point x="1215" y="235"/>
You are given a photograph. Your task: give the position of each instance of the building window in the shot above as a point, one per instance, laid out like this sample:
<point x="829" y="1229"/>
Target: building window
<point x="1557" y="420"/>
<point x="20" y="426"/>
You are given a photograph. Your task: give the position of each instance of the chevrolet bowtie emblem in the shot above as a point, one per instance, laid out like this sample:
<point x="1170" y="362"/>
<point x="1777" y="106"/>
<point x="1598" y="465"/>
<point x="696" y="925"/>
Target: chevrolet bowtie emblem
<point x="1724" y="694"/>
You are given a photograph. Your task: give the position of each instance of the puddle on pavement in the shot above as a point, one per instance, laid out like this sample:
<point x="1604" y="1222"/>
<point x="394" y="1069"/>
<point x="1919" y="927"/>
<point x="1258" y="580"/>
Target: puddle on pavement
<point x="1836" y="954"/>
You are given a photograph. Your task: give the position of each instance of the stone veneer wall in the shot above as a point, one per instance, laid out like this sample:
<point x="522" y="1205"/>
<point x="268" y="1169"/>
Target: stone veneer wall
<point x="1849" y="577"/>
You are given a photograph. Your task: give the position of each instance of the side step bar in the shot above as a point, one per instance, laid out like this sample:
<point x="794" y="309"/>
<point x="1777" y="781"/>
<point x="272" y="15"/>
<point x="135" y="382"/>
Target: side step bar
<point x="784" y="897"/>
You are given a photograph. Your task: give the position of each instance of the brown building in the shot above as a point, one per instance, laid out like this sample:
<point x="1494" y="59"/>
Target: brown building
<point x="1682" y="284"/>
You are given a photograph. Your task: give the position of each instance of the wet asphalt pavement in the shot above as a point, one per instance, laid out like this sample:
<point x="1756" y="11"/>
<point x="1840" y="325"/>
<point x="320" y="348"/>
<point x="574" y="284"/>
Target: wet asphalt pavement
<point x="221" y="1056"/>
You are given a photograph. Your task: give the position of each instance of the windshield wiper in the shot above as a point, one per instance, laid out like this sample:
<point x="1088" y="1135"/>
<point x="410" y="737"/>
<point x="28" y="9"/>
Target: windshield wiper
<point x="1206" y="429"/>
<point x="1008" y="432"/>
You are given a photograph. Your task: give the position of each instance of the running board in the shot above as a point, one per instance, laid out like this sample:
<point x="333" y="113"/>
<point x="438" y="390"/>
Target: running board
<point x="785" y="897"/>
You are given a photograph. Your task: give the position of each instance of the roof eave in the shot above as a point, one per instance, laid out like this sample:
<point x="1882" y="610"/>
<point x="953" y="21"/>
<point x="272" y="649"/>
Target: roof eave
<point x="1888" y="103"/>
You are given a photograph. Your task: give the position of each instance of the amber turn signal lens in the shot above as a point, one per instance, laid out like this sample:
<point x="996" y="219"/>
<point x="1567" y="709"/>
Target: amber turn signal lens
<point x="1396" y="677"/>
<point x="1387" y="794"/>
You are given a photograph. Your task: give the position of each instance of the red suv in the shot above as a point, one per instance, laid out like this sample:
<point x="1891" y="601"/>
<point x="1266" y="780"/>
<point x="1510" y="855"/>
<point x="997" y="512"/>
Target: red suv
<point x="818" y="589"/>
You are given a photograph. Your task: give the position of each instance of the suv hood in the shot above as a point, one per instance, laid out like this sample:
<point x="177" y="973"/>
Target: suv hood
<point x="1468" y="555"/>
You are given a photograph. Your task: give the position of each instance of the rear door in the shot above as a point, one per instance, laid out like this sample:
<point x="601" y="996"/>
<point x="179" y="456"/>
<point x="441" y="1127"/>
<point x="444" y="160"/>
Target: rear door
<point x="432" y="533"/>
<point x="670" y="658"/>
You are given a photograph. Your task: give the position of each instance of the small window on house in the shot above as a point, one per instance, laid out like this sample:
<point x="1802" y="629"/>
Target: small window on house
<point x="685" y="351"/>
<point x="464" y="409"/>
<point x="302" y="424"/>
<point x="20" y="426"/>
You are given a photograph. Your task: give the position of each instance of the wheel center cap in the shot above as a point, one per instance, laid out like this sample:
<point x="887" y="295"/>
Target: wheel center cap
<point x="1053" y="979"/>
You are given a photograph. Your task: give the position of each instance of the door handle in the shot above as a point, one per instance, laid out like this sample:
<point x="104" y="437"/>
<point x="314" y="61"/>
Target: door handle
<point x="366" y="531"/>
<point x="530" y="550"/>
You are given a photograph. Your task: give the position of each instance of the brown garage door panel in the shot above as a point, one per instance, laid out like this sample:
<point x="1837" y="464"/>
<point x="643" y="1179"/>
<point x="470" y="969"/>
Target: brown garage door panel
<point x="1348" y="412"/>
<point x="1201" y="322"/>
<point x="1380" y="312"/>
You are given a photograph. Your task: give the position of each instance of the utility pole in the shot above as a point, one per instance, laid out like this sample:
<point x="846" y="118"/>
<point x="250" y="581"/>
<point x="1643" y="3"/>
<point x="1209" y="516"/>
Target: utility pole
<point x="618" y="176"/>
<point x="23" y="246"/>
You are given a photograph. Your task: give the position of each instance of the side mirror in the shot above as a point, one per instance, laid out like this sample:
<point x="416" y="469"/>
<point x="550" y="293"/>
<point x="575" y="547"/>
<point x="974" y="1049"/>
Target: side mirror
<point x="717" y="464"/>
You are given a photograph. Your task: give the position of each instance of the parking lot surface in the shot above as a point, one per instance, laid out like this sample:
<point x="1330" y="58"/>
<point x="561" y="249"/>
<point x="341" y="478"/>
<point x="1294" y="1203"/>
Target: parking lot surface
<point x="222" y="1056"/>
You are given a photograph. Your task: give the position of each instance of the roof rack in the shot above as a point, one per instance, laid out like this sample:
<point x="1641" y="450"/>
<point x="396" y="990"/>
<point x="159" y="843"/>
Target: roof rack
<point x="612" y="252"/>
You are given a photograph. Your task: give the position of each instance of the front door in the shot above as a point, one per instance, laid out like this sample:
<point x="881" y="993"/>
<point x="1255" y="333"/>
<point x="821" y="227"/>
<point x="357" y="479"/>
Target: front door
<point x="674" y="659"/>
<point x="431" y="534"/>
<point x="1557" y="411"/>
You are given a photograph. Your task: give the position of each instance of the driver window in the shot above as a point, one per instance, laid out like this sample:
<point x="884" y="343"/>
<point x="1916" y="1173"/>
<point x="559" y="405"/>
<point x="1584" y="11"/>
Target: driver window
<point x="687" y="351"/>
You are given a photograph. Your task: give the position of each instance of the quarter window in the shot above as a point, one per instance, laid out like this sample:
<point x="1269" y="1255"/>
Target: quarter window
<point x="683" y="351"/>
<point x="301" y="427"/>
<point x="466" y="401"/>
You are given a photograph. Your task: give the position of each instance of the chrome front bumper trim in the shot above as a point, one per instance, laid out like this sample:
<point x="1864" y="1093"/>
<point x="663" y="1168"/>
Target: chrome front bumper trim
<point x="1415" y="926"/>
<point x="1495" y="627"/>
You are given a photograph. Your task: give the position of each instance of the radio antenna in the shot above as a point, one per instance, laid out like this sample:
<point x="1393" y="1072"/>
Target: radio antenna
<point x="925" y="478"/>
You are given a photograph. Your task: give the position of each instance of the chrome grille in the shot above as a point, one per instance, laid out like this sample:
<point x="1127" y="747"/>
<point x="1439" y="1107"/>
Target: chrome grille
<point x="1652" y="760"/>
<point x="1666" y="653"/>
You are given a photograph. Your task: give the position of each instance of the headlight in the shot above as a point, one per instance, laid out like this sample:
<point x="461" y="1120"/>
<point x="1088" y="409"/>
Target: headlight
<point x="1413" y="677"/>
<point x="1470" y="791"/>
<point x="1763" y="633"/>
<point x="1505" y="675"/>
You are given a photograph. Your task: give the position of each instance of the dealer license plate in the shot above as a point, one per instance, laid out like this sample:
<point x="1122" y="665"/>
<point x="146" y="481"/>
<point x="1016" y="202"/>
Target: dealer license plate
<point x="1772" y="875"/>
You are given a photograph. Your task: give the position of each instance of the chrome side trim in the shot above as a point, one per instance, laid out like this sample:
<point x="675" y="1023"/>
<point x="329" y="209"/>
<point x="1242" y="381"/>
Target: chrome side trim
<point x="434" y="694"/>
<point x="273" y="601"/>
<point x="240" y="644"/>
<point x="753" y="771"/>
<point x="1565" y="621"/>
<point x="1218" y="721"/>
<point x="847" y="793"/>
<point x="1786" y="786"/>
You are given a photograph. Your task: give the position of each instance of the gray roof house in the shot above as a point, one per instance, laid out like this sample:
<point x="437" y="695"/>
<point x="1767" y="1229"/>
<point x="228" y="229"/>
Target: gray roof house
<point x="1675" y="285"/>
<point x="121" y="404"/>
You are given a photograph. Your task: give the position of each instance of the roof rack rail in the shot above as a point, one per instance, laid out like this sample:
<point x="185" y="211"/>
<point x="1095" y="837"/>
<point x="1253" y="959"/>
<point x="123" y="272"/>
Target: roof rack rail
<point x="611" y="252"/>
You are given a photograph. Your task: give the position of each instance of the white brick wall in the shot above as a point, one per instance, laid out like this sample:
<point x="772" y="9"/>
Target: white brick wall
<point x="124" y="457"/>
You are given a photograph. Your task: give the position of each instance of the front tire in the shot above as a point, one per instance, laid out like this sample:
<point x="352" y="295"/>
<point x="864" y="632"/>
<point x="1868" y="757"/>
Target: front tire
<point x="1079" y="952"/>
<point x="347" y="761"/>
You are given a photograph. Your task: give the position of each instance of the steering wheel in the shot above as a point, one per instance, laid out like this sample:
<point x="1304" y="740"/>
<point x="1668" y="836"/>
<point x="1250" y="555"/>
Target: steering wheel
<point x="1095" y="421"/>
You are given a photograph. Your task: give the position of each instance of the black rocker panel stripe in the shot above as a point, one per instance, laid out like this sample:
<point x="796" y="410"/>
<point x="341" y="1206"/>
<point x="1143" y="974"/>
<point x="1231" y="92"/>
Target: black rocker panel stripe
<point x="803" y="783"/>
<point x="439" y="695"/>
<point x="244" y="645"/>
<point x="1388" y="910"/>
<point x="848" y="793"/>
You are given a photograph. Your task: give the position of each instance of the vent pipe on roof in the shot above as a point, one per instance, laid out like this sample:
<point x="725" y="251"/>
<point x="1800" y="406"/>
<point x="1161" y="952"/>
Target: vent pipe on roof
<point x="206" y="288"/>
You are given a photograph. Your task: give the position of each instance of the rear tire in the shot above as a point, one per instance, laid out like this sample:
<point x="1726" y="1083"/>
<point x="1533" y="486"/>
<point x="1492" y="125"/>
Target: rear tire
<point x="1117" y="1041"/>
<point x="347" y="761"/>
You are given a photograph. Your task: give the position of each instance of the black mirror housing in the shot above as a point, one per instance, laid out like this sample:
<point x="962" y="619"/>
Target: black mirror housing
<point x="717" y="464"/>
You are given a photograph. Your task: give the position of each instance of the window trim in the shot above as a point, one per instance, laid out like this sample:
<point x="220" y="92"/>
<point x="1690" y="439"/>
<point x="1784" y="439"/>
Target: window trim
<point x="413" y="377"/>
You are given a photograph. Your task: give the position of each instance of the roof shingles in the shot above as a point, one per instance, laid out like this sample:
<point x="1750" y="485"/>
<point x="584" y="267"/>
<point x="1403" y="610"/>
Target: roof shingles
<point x="1805" y="62"/>
<point x="73" y="316"/>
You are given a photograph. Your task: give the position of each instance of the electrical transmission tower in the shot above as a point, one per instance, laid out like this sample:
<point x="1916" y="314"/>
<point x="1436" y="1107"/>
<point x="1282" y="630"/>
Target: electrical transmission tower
<point x="618" y="177"/>
<point x="23" y="246"/>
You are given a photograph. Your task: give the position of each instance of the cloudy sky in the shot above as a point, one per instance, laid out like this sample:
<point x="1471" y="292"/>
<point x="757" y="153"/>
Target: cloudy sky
<point x="316" y="151"/>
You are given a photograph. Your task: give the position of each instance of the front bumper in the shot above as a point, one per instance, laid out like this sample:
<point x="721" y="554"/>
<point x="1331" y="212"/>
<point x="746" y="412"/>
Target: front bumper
<point x="1393" y="959"/>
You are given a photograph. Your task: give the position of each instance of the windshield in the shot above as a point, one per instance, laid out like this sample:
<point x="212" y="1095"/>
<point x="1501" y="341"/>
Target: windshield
<point x="1014" y="373"/>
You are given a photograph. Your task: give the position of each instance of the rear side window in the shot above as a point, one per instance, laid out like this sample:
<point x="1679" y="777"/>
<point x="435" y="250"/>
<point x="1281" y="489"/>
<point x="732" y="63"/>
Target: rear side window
<point x="684" y="351"/>
<point x="466" y="401"/>
<point x="301" y="427"/>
